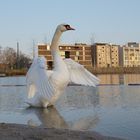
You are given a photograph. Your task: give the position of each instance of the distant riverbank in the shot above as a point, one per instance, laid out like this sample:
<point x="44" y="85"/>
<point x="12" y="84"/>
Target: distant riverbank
<point x="13" y="72"/>
<point x="115" y="70"/>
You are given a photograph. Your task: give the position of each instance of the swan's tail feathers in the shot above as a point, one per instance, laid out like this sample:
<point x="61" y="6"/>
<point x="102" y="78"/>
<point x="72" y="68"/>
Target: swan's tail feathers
<point x="38" y="80"/>
<point x="79" y="75"/>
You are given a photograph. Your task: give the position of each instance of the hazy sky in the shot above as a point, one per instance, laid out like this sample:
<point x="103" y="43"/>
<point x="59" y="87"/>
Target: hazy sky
<point x="115" y="21"/>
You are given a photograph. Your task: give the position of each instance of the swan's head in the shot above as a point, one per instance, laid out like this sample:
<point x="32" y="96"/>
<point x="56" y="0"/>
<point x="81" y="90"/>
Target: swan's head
<point x="64" y="27"/>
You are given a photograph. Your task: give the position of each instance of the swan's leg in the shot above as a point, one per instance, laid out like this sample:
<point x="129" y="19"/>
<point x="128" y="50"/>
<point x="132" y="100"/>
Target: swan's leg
<point x="45" y="103"/>
<point x="50" y="105"/>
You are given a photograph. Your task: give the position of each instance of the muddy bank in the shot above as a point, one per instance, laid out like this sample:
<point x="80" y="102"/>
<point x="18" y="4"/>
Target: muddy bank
<point x="24" y="132"/>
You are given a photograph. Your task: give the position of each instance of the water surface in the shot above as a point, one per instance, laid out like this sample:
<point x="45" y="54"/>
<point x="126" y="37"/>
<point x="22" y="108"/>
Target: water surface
<point x="112" y="110"/>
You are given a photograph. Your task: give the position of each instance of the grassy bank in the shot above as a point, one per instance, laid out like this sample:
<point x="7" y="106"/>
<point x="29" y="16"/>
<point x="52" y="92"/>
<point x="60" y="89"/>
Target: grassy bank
<point x="13" y="72"/>
<point x="117" y="70"/>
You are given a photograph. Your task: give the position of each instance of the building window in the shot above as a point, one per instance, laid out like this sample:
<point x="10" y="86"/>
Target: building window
<point x="62" y="53"/>
<point x="48" y="47"/>
<point x="67" y="54"/>
<point x="77" y="53"/>
<point x="76" y="58"/>
<point x="50" y="64"/>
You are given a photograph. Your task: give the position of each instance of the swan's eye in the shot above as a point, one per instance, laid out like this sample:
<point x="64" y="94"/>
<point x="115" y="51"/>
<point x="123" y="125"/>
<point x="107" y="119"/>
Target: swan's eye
<point x="67" y="27"/>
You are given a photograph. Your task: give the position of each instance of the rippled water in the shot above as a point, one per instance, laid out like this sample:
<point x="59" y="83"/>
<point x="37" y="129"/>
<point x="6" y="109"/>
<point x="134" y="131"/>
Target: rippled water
<point x="108" y="109"/>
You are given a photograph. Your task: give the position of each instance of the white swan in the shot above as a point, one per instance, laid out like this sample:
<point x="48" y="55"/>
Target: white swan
<point x="45" y="87"/>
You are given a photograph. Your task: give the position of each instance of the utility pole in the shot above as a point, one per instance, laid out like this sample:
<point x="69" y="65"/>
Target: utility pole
<point x="45" y="40"/>
<point x="33" y="49"/>
<point x="17" y="55"/>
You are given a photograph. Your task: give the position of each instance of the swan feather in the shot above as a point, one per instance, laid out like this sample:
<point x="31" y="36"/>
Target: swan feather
<point x="79" y="75"/>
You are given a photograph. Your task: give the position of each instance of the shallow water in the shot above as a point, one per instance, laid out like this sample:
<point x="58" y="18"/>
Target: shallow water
<point x="112" y="110"/>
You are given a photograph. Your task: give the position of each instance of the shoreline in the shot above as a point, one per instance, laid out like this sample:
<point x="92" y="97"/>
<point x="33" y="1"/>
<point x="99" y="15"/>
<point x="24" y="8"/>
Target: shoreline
<point x="94" y="70"/>
<point x="24" y="132"/>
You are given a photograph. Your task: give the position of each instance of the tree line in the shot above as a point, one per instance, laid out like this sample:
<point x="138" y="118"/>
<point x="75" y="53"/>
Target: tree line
<point x="14" y="60"/>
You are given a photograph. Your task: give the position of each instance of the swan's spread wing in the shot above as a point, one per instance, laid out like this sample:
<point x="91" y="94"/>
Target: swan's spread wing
<point x="49" y="73"/>
<point x="79" y="75"/>
<point x="38" y="79"/>
<point x="30" y="76"/>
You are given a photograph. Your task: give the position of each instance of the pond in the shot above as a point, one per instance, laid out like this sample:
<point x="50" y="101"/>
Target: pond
<point x="113" y="108"/>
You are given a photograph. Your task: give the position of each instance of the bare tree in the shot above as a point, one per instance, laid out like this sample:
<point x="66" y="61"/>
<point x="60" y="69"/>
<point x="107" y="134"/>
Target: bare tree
<point x="1" y="56"/>
<point x="9" y="57"/>
<point x="24" y="61"/>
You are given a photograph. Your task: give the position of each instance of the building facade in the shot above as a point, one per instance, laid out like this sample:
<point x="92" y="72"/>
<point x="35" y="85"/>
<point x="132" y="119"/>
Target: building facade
<point x="131" y="55"/>
<point x="81" y="53"/>
<point x="98" y="55"/>
<point x="105" y="55"/>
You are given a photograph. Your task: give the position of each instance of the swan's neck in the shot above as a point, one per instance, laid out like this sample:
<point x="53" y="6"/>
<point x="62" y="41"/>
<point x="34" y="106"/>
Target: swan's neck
<point x="58" y="62"/>
<point x="55" y="42"/>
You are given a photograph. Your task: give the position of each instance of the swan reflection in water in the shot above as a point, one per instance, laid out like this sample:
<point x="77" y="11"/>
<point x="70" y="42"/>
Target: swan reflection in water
<point x="71" y="119"/>
<point x="49" y="117"/>
<point x="75" y="110"/>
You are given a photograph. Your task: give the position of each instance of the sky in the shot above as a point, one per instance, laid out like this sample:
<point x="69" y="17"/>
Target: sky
<point x="28" y="21"/>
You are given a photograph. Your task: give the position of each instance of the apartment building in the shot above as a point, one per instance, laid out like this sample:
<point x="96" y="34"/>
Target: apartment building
<point x="131" y="54"/>
<point x="81" y="53"/>
<point x="105" y="55"/>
